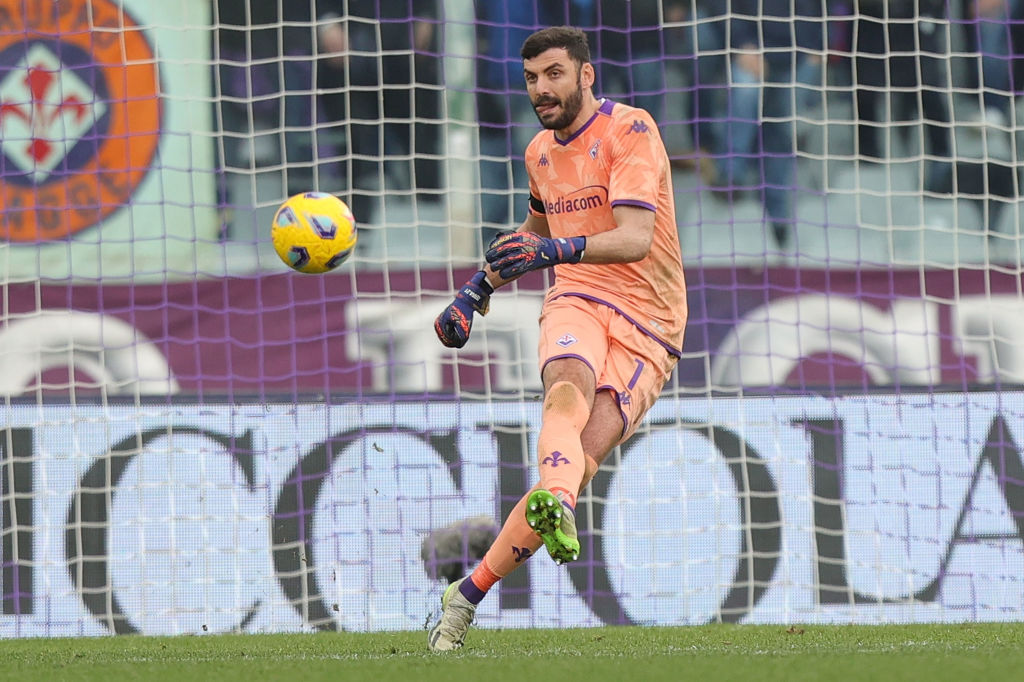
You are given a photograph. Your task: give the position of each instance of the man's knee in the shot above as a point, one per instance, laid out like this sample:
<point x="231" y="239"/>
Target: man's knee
<point x="564" y="397"/>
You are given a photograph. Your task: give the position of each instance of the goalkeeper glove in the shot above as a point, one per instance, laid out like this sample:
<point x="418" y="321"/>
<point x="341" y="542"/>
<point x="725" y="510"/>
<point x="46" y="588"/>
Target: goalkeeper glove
<point x="515" y="253"/>
<point x="453" y="324"/>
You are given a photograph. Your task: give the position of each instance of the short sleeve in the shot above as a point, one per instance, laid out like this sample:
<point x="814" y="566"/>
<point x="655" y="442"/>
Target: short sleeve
<point x="638" y="158"/>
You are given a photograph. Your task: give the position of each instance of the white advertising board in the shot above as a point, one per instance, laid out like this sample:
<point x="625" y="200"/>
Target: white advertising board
<point x="189" y="518"/>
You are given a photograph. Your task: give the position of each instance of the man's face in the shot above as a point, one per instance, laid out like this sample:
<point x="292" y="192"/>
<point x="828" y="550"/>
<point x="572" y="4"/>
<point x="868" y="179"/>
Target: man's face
<point x="554" y="85"/>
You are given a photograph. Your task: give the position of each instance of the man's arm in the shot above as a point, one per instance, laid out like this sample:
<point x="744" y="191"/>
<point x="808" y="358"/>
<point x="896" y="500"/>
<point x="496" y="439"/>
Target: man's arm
<point x="512" y="255"/>
<point x="628" y="242"/>
<point x="455" y="322"/>
<point x="516" y="253"/>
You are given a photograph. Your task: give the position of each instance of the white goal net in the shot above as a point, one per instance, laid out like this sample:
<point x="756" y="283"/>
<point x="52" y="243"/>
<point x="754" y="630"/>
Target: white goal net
<point x="196" y="439"/>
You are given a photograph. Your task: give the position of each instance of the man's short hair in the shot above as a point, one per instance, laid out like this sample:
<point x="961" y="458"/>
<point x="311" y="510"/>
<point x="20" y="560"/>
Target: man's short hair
<point x="569" y="38"/>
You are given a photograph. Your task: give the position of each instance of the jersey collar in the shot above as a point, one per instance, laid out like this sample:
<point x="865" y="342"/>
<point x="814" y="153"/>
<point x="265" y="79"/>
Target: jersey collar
<point x="605" y="108"/>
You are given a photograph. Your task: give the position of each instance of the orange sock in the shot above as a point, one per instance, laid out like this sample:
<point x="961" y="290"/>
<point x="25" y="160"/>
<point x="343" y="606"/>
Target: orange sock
<point x="480" y="580"/>
<point x="559" y="451"/>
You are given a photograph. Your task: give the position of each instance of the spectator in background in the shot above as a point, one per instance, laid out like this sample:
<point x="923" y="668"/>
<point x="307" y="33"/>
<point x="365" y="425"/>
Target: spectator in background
<point x="393" y="74"/>
<point x="901" y="45"/>
<point x="507" y="122"/>
<point x="265" y="81"/>
<point x="710" y="79"/>
<point x="631" y="50"/>
<point x="775" y="45"/>
<point x="991" y="25"/>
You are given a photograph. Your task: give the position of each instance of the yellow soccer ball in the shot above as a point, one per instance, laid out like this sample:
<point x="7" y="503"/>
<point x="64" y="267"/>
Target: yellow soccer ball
<point x="314" y="232"/>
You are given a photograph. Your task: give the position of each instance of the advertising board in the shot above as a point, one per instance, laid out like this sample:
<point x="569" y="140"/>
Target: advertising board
<point x="192" y="518"/>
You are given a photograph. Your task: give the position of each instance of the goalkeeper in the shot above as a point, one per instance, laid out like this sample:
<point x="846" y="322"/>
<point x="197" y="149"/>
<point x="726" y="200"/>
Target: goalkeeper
<point x="611" y="330"/>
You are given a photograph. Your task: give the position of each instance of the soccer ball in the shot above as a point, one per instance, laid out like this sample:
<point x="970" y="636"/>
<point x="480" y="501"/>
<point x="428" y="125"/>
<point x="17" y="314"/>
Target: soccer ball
<point x="314" y="232"/>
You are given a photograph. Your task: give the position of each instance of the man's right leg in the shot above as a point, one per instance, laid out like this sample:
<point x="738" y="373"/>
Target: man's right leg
<point x="516" y="543"/>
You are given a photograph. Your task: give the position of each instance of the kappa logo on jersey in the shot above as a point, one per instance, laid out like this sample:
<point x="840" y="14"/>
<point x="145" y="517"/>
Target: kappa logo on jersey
<point x="638" y="127"/>
<point x="594" y="148"/>
<point x="543" y="160"/>
<point x="79" y="115"/>
<point x="566" y="340"/>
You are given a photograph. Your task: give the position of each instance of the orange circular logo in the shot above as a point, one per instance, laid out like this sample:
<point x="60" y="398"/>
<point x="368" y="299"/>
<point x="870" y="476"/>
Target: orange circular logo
<point x="79" y="115"/>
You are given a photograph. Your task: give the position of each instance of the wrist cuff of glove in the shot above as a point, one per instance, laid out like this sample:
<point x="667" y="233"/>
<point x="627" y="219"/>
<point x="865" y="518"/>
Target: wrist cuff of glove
<point x="477" y="291"/>
<point x="480" y="280"/>
<point x="578" y="245"/>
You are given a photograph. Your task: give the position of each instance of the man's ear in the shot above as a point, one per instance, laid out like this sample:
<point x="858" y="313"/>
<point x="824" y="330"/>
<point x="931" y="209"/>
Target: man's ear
<point x="587" y="75"/>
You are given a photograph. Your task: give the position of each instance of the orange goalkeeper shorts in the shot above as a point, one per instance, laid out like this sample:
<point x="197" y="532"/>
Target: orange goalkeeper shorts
<point x="625" y="360"/>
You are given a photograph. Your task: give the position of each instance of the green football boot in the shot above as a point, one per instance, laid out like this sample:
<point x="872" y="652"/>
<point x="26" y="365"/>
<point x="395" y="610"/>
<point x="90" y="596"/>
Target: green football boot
<point x="555" y="524"/>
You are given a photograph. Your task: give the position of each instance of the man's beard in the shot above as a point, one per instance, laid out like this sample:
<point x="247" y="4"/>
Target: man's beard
<point x="571" y="107"/>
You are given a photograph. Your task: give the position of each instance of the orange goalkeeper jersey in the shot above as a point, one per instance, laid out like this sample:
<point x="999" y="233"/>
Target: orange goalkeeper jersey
<point x="617" y="158"/>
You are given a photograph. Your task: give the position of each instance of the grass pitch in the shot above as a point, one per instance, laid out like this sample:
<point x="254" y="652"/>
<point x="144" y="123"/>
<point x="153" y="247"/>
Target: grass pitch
<point x="719" y="652"/>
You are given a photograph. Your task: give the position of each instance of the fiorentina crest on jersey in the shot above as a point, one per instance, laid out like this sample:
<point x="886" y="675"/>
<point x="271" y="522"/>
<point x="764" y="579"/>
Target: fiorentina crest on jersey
<point x="566" y="340"/>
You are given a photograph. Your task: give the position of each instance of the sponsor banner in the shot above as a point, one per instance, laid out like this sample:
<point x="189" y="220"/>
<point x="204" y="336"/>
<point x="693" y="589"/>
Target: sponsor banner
<point x="363" y="332"/>
<point x="98" y="132"/>
<point x="172" y="519"/>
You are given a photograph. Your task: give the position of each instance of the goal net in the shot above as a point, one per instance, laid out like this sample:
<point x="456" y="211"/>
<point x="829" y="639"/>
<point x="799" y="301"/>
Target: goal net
<point x="196" y="439"/>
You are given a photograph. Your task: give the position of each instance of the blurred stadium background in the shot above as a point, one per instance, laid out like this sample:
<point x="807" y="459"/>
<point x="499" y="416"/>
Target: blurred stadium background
<point x="196" y="440"/>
